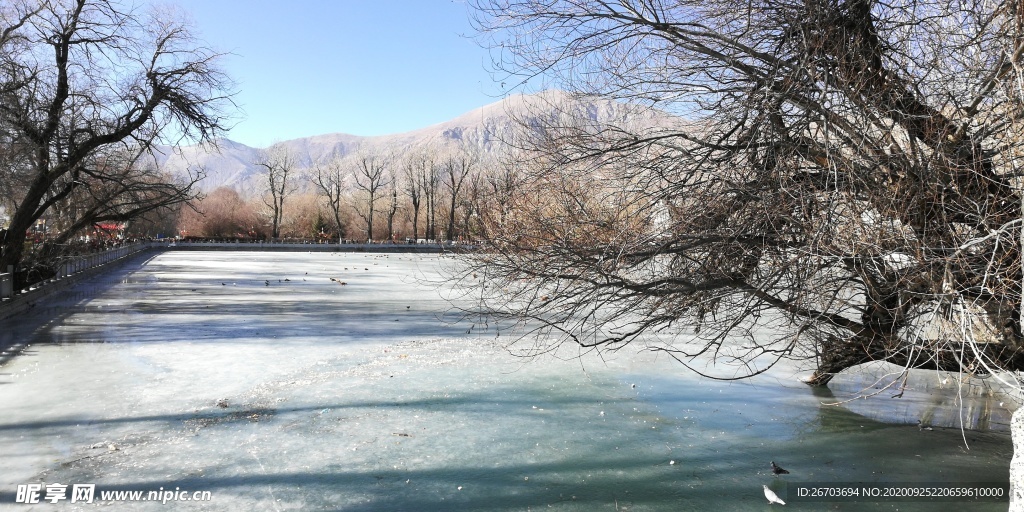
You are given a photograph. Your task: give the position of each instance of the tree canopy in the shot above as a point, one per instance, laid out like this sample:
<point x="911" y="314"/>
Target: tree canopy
<point x="843" y="185"/>
<point x="87" y="89"/>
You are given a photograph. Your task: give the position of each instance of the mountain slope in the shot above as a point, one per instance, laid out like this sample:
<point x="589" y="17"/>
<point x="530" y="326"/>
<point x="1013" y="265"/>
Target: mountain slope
<point x="231" y="163"/>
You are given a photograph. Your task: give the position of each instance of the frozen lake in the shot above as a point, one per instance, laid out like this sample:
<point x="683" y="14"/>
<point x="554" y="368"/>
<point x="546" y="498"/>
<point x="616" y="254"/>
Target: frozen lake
<point x="258" y="378"/>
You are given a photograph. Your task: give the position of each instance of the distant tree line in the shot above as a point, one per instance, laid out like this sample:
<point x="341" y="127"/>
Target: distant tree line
<point x="417" y="193"/>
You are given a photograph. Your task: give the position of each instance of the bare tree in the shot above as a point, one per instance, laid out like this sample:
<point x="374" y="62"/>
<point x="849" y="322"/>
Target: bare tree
<point x="221" y="214"/>
<point x="118" y="187"/>
<point x="474" y="203"/>
<point x="454" y="169"/>
<point x="429" y="180"/>
<point x="413" y="169"/>
<point x="370" y="178"/>
<point x="332" y="179"/>
<point x="305" y="218"/>
<point x="841" y="190"/>
<point x="277" y="165"/>
<point x="81" y="79"/>
<point x="504" y="179"/>
<point x="393" y="207"/>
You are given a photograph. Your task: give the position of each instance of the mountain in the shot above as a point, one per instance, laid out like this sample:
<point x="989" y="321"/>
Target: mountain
<point x="230" y="163"/>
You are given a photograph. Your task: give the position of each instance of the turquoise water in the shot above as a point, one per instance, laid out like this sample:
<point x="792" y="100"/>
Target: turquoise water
<point x="365" y="396"/>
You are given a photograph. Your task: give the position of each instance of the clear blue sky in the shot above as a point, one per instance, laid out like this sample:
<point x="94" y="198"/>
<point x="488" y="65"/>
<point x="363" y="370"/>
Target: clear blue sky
<point x="364" y="67"/>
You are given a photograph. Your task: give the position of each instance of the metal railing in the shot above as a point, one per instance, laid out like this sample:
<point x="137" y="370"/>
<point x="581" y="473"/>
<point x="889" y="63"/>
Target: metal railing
<point x="70" y="267"/>
<point x="299" y="245"/>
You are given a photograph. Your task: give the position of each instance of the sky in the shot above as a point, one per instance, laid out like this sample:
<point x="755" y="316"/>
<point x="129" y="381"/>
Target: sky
<point x="363" y="67"/>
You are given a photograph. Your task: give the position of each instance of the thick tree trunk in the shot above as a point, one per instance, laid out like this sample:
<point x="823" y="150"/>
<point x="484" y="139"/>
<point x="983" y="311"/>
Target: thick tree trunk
<point x="13" y="248"/>
<point x="13" y="244"/>
<point x="837" y="356"/>
<point x="341" y="228"/>
<point x="275" y="229"/>
<point x="369" y="221"/>
<point x="415" y="219"/>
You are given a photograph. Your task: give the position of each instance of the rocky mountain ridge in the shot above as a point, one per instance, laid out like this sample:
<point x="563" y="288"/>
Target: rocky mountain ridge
<point x="231" y="163"/>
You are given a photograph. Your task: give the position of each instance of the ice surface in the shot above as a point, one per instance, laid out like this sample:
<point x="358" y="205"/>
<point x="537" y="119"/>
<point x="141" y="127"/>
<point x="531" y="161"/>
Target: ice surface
<point x="257" y="377"/>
